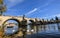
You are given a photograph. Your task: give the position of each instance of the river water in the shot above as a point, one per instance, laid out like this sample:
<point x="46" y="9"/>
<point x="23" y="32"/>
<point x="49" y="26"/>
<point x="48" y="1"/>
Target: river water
<point x="46" y="31"/>
<point x="42" y="31"/>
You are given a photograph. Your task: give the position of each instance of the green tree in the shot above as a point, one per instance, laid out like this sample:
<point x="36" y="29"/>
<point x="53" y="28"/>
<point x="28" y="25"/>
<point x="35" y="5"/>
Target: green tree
<point x="2" y="7"/>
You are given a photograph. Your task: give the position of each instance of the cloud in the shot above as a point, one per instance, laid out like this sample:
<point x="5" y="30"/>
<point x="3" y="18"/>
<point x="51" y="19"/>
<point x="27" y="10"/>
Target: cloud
<point x="52" y="16"/>
<point x="58" y="15"/>
<point x="39" y="8"/>
<point x="11" y="3"/>
<point x="47" y="3"/>
<point x="15" y="1"/>
<point x="32" y="11"/>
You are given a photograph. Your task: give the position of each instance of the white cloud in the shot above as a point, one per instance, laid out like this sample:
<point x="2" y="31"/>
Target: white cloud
<point x="52" y="16"/>
<point x="13" y="2"/>
<point x="32" y="11"/>
<point x="47" y="3"/>
<point x="58" y="15"/>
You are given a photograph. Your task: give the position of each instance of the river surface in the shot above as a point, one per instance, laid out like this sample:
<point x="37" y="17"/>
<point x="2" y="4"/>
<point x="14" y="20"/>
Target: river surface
<point x="43" y="31"/>
<point x="46" y="31"/>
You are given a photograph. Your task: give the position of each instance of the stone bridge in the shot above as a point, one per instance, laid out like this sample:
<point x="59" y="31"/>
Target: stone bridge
<point x="18" y="18"/>
<point x="4" y="19"/>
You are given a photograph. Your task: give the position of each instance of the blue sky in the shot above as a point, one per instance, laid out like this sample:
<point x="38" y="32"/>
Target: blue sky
<point x="33" y="8"/>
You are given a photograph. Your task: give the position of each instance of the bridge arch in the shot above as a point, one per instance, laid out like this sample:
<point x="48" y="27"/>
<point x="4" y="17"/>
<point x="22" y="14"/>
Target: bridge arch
<point x="3" y="26"/>
<point x="12" y="19"/>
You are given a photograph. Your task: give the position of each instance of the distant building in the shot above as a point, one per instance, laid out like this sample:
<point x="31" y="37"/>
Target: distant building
<point x="11" y="24"/>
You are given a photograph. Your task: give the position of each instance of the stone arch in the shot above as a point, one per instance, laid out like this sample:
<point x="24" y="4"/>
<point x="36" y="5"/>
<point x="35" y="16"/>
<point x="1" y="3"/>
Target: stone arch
<point x="8" y="20"/>
<point x="31" y="24"/>
<point x="12" y="19"/>
<point x="32" y="21"/>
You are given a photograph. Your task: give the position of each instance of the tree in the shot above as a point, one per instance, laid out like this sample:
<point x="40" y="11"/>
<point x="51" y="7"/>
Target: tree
<point x="1" y="1"/>
<point x="2" y="7"/>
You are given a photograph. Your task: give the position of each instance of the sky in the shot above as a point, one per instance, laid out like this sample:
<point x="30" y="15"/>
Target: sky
<point x="33" y="8"/>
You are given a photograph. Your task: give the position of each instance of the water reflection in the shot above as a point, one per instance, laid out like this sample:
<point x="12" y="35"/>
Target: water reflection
<point x="46" y="31"/>
<point x="50" y="28"/>
<point x="46" y="28"/>
<point x="11" y="27"/>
